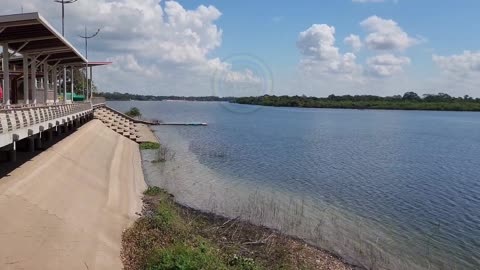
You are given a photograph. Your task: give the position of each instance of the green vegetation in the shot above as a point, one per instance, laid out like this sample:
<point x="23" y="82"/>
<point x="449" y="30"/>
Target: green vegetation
<point x="191" y="256"/>
<point x="152" y="191"/>
<point x="409" y="101"/>
<point x="134" y="112"/>
<point x="149" y="146"/>
<point x="173" y="237"/>
<point x="126" y="96"/>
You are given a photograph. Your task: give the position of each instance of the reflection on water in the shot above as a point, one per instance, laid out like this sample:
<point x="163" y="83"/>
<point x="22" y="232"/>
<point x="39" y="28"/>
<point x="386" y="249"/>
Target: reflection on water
<point x="397" y="190"/>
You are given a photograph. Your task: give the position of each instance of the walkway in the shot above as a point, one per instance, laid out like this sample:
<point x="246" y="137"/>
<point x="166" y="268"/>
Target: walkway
<point x="67" y="208"/>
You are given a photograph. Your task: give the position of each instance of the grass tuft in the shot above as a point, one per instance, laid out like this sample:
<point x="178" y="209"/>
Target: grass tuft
<point x="149" y="146"/>
<point x="152" y="191"/>
<point x="186" y="256"/>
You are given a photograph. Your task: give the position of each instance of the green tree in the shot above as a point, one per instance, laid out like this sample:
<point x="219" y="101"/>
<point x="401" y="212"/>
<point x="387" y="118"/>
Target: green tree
<point x="134" y="112"/>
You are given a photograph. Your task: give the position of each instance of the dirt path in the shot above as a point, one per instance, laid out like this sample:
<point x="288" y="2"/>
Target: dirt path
<point x="67" y="208"/>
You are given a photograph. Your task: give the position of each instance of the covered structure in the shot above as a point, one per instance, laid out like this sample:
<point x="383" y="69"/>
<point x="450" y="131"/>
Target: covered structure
<point x="37" y="71"/>
<point x="37" y="62"/>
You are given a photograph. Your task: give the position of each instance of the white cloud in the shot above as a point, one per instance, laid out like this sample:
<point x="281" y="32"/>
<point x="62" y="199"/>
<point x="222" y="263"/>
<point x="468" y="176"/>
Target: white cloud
<point x="147" y="40"/>
<point x="319" y="54"/>
<point x="460" y="72"/>
<point x="466" y="64"/>
<point x="386" y="65"/>
<point x="353" y="41"/>
<point x="386" y="35"/>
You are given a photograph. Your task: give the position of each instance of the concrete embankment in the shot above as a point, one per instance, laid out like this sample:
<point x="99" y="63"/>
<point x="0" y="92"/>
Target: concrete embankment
<point x="68" y="206"/>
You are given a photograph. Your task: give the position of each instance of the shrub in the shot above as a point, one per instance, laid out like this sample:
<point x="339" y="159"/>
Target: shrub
<point x="134" y="112"/>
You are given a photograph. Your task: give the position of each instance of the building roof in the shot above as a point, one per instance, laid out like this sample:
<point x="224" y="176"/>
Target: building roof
<point x="31" y="34"/>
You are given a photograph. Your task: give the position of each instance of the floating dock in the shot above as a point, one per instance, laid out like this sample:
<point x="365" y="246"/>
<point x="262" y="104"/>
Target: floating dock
<point x="183" y="124"/>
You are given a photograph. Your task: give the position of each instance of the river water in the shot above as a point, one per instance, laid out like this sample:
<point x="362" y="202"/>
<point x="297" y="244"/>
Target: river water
<point x="383" y="189"/>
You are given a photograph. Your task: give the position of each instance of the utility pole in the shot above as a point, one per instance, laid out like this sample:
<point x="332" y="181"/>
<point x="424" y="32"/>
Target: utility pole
<point x="63" y="2"/>
<point x="87" y="37"/>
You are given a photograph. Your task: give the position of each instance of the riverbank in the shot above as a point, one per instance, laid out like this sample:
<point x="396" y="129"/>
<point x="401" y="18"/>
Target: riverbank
<point x="366" y="102"/>
<point x="67" y="207"/>
<point x="172" y="236"/>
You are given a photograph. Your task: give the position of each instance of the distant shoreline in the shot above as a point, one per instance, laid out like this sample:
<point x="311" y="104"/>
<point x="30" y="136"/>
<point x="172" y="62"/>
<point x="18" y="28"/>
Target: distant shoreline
<point x="408" y="102"/>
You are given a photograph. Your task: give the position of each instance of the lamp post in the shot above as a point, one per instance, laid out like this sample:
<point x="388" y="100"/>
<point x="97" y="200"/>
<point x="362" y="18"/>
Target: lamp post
<point x="63" y="2"/>
<point x="87" y="37"/>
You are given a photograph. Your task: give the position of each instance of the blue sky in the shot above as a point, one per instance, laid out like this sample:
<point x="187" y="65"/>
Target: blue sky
<point x="186" y="47"/>
<point x="250" y="26"/>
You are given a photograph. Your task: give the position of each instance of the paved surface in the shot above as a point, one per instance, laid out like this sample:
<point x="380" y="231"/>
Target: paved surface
<point x="67" y="208"/>
<point x="145" y="134"/>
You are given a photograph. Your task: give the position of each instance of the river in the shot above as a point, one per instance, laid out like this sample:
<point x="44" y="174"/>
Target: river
<point x="383" y="189"/>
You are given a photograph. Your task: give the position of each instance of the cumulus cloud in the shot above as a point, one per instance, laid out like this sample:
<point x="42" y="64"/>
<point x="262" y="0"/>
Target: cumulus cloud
<point x="386" y="65"/>
<point x="386" y="35"/>
<point x="146" y="40"/>
<point x="319" y="54"/>
<point x="466" y="64"/>
<point x="460" y="72"/>
<point x="353" y="41"/>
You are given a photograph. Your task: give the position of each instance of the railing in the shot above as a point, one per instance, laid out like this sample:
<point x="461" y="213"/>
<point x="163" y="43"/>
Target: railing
<point x="16" y="118"/>
<point x="135" y="120"/>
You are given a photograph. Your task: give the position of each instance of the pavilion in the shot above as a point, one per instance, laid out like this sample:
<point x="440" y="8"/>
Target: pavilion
<point x="37" y="71"/>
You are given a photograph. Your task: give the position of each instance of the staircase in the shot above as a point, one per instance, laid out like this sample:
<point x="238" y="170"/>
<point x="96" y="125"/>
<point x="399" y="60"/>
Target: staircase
<point x="117" y="122"/>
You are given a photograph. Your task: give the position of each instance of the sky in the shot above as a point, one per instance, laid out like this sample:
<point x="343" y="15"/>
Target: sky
<point x="243" y="48"/>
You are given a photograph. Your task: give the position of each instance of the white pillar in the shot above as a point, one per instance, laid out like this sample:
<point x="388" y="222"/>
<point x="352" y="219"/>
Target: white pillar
<point x="55" y="88"/>
<point x="45" y="82"/>
<point x="72" y="81"/>
<point x="91" y="83"/>
<point x="6" y="75"/>
<point x="64" y="85"/>
<point x="86" y="74"/>
<point x="26" y="81"/>
<point x="33" y="80"/>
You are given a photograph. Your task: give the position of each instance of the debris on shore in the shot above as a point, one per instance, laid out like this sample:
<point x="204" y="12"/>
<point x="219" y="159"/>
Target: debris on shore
<point x="171" y="236"/>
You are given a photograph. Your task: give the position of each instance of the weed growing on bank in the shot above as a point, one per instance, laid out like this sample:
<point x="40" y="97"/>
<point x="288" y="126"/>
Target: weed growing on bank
<point x="149" y="146"/>
<point x="171" y="236"/>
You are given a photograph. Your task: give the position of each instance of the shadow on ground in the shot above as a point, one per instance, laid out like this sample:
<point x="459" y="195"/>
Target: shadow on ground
<point x="23" y="155"/>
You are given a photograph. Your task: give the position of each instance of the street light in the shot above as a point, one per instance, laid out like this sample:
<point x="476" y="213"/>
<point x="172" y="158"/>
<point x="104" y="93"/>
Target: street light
<point x="63" y="2"/>
<point x="87" y="37"/>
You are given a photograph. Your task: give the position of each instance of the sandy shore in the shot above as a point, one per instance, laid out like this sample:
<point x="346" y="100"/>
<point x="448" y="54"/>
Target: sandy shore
<point x="67" y="208"/>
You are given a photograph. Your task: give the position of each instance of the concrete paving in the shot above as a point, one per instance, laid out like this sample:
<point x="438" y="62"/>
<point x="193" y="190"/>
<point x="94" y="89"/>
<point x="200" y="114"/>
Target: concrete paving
<point x="68" y="206"/>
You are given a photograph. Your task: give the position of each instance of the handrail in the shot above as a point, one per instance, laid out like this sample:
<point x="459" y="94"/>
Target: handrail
<point x="126" y="116"/>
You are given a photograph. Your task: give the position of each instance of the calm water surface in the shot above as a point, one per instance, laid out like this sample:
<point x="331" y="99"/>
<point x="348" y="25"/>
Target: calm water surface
<point x="384" y="189"/>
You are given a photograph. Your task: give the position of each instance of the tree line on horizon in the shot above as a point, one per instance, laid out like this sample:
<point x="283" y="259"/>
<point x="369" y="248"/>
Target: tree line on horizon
<point x="116" y="96"/>
<point x="407" y="101"/>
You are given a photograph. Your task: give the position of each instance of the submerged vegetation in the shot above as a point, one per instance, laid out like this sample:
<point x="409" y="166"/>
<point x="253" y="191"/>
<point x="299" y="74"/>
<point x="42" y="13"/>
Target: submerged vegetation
<point x="171" y="236"/>
<point x="409" y="101"/>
